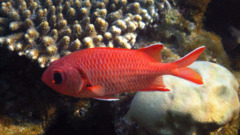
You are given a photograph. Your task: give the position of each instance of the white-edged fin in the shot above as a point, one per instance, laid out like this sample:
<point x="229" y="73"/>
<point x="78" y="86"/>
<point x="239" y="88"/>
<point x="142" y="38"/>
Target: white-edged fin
<point x="106" y="98"/>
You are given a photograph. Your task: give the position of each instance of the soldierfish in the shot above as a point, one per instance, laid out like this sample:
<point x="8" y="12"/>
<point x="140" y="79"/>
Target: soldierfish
<point x="103" y="72"/>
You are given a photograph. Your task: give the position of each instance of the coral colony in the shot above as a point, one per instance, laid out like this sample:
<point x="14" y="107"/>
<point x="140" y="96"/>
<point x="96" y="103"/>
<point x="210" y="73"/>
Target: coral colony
<point x="45" y="30"/>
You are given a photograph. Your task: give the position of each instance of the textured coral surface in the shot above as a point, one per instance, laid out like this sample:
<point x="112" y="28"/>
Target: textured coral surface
<point x="199" y="107"/>
<point x="46" y="30"/>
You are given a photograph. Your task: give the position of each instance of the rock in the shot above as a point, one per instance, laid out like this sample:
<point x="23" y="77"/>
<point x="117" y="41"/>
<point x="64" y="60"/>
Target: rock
<point x="189" y="108"/>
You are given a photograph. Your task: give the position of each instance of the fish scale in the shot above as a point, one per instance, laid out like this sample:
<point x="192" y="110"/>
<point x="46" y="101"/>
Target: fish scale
<point x="126" y="68"/>
<point x="104" y="72"/>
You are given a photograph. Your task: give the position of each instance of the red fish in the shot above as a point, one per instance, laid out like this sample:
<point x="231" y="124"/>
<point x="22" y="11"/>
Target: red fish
<point x="103" y="72"/>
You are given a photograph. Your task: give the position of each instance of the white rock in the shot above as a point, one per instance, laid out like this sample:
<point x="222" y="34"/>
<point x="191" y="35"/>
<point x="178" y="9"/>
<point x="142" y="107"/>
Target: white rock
<point x="189" y="108"/>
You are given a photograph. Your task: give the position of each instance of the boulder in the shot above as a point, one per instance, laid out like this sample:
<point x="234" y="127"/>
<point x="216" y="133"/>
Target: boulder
<point x="189" y="108"/>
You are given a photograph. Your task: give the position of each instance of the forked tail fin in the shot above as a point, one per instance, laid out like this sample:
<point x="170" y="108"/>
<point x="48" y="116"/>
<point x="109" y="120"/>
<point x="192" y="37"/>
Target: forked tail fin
<point x="183" y="71"/>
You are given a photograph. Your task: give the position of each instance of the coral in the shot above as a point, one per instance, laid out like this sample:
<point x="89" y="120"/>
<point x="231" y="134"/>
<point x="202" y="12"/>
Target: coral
<point x="229" y="129"/>
<point x="190" y="108"/>
<point x="182" y="35"/>
<point x="193" y="10"/>
<point x="215" y="51"/>
<point x="45" y="30"/>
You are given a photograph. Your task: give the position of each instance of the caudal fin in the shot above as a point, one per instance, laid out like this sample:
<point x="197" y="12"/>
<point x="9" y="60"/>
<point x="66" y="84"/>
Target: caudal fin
<point x="188" y="74"/>
<point x="189" y="58"/>
<point x="183" y="71"/>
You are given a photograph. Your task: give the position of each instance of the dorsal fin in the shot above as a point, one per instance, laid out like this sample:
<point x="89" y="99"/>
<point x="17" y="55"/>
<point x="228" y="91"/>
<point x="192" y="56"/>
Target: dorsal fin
<point x="153" y="51"/>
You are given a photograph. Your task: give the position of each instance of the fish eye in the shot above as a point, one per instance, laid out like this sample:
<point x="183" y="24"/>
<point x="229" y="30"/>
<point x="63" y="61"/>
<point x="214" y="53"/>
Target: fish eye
<point x="57" y="78"/>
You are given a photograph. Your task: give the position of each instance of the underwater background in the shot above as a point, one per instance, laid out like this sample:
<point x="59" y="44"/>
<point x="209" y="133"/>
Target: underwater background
<point x="33" y="33"/>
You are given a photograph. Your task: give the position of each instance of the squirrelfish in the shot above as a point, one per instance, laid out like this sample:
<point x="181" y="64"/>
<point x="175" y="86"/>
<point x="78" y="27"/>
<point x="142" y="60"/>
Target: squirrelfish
<point x="103" y="72"/>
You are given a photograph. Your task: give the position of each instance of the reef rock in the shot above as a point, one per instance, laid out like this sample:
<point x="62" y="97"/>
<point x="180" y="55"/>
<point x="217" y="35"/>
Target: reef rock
<point x="189" y="108"/>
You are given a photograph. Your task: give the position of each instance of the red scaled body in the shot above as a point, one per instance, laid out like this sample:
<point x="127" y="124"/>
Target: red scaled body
<point x="102" y="72"/>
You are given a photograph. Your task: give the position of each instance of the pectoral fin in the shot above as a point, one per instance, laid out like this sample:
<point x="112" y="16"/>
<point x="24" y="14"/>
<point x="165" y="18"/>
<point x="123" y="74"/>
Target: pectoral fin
<point x="98" y="90"/>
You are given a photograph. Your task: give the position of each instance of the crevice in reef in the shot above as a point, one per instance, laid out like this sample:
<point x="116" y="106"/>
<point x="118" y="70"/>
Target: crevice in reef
<point x="223" y="18"/>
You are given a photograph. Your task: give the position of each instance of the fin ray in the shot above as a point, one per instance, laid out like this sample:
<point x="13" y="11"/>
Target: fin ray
<point x="153" y="51"/>
<point x="189" y="58"/>
<point x="157" y="85"/>
<point x="181" y="70"/>
<point x="188" y="74"/>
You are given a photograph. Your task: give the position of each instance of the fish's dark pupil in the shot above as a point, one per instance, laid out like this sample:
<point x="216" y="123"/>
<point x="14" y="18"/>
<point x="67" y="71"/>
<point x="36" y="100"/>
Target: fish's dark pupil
<point x="57" y="78"/>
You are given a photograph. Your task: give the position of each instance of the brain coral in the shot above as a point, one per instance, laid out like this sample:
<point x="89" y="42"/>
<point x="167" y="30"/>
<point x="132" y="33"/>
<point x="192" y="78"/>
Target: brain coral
<point x="45" y="30"/>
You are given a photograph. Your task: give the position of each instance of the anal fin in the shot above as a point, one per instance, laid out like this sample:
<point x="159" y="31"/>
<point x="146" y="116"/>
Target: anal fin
<point x="157" y="85"/>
